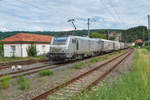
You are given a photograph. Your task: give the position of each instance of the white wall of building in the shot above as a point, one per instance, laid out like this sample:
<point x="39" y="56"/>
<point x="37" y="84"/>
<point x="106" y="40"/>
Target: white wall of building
<point x="24" y="50"/>
<point x="21" y="49"/>
<point x="42" y="49"/>
<point x="8" y="52"/>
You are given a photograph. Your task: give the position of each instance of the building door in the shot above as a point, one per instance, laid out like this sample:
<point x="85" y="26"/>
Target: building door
<point x="13" y="49"/>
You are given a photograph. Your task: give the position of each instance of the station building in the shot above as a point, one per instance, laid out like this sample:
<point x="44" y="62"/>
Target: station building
<point x="18" y="44"/>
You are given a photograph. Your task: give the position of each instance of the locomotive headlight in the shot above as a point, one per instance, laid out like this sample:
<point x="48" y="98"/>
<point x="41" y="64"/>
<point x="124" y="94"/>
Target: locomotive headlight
<point x="64" y="50"/>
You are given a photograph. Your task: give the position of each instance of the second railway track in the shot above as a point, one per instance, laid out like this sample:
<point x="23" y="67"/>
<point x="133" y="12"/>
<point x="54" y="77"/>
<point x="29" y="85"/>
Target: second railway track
<point x="28" y="71"/>
<point x="25" y="62"/>
<point x="33" y="70"/>
<point x="84" y="81"/>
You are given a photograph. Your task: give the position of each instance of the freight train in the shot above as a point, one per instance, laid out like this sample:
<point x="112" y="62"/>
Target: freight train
<point x="77" y="47"/>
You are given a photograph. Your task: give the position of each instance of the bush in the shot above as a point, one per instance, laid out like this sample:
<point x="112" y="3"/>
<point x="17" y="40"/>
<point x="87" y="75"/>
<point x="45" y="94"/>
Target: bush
<point x="79" y="65"/>
<point x="31" y="50"/>
<point x="13" y="56"/>
<point x="45" y="72"/>
<point x="94" y="60"/>
<point x="5" y="81"/>
<point x="23" y="83"/>
<point x="98" y="35"/>
<point x="1" y="49"/>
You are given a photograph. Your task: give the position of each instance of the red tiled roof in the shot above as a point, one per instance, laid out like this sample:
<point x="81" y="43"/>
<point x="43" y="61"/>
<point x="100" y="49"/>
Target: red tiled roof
<point x="139" y="41"/>
<point x="28" y="37"/>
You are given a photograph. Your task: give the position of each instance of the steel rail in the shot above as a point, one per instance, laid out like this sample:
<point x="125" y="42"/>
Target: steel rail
<point x="37" y="69"/>
<point x="106" y="73"/>
<point x="28" y="62"/>
<point x="25" y="62"/>
<point x="47" y="93"/>
<point x="25" y="70"/>
<point x="33" y="72"/>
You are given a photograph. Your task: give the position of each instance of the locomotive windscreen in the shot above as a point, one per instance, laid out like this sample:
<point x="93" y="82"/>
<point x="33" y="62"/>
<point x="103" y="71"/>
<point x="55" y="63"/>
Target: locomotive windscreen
<point x="59" y="40"/>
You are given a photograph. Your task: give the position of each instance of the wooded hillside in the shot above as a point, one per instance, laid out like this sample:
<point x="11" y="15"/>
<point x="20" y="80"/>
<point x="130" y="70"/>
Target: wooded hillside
<point x="128" y="35"/>
<point x="131" y="34"/>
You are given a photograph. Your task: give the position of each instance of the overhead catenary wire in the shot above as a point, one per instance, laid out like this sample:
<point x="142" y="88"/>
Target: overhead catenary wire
<point x="41" y="8"/>
<point x="116" y="13"/>
<point x="111" y="13"/>
<point x="35" y="6"/>
<point x="29" y="4"/>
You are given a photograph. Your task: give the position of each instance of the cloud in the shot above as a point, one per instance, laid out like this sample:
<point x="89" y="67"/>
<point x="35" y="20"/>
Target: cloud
<point x="52" y="15"/>
<point x="3" y="29"/>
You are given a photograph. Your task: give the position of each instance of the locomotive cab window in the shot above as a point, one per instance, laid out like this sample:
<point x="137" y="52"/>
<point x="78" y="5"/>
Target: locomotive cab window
<point x="60" y="41"/>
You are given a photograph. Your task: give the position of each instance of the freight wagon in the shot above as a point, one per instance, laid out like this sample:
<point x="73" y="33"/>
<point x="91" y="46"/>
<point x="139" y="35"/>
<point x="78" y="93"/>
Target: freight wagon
<point x="107" y="45"/>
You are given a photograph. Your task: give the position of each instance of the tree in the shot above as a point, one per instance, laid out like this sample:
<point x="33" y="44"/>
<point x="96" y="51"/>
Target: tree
<point x="128" y="35"/>
<point x="1" y="49"/>
<point x="132" y="34"/>
<point x="97" y="35"/>
<point x="112" y="38"/>
<point x="31" y="50"/>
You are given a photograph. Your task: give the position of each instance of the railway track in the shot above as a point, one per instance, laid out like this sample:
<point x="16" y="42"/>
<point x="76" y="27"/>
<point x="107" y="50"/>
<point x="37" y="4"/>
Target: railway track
<point x="34" y="70"/>
<point x="28" y="71"/>
<point x="84" y="81"/>
<point x="25" y="62"/>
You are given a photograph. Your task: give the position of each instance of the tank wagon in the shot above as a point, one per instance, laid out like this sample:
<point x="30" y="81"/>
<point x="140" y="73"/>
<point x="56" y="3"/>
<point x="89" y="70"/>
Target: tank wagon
<point x="77" y="47"/>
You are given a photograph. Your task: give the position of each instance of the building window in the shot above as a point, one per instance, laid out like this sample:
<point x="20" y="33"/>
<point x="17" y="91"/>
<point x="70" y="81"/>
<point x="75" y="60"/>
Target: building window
<point x="43" y="46"/>
<point x="13" y="48"/>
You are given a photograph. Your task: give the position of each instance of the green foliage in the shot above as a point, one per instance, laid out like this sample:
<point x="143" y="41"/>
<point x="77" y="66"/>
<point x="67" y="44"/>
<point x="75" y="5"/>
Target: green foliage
<point x="129" y="35"/>
<point x="23" y="83"/>
<point x="79" y="65"/>
<point x="59" y="33"/>
<point x="1" y="49"/>
<point x="46" y="72"/>
<point x="146" y="45"/>
<point x="94" y="60"/>
<point x="13" y="56"/>
<point x="31" y="50"/>
<point x="5" y="81"/>
<point x="111" y="38"/>
<point x="4" y="97"/>
<point x="97" y="35"/>
<point x="132" y="34"/>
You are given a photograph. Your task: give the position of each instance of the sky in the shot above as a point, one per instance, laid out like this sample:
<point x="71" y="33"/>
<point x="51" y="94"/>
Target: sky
<point x="52" y="15"/>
